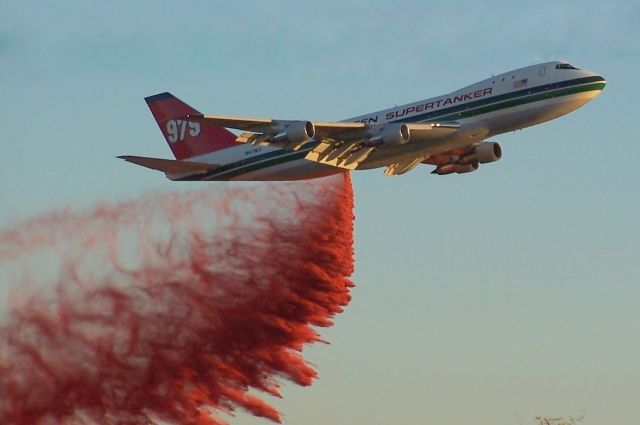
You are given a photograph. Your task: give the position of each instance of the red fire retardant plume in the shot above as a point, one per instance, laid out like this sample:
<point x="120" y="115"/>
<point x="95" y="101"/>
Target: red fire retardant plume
<point x="170" y="308"/>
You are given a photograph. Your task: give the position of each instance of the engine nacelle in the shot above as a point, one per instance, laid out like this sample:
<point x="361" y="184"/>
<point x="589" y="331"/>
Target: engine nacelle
<point x="294" y="132"/>
<point x="484" y="153"/>
<point x="466" y="168"/>
<point x="456" y="168"/>
<point x="390" y="134"/>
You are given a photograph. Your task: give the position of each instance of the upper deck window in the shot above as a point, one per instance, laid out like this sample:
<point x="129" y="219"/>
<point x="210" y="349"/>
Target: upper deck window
<point x="565" y="66"/>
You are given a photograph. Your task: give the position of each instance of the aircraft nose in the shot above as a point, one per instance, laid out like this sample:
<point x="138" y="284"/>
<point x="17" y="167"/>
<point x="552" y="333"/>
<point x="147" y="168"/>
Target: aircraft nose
<point x="600" y="80"/>
<point x="596" y="78"/>
<point x="597" y="83"/>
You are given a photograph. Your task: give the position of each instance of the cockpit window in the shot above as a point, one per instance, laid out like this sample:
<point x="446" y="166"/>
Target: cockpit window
<point x="565" y="66"/>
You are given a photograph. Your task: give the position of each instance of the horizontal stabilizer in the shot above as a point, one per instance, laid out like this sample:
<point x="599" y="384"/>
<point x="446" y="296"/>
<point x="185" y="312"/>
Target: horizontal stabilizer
<point x="172" y="168"/>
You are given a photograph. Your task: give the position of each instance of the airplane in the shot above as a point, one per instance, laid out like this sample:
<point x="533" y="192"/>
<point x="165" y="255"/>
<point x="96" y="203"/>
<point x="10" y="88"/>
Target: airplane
<point x="449" y="132"/>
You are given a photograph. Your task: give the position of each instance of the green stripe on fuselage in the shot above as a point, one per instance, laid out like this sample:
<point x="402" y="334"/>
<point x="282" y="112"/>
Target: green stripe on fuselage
<point x="525" y="98"/>
<point x="260" y="164"/>
<point x="522" y="100"/>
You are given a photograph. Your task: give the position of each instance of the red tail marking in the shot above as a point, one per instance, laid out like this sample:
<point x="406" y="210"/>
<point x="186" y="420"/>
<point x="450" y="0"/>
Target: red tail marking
<point x="187" y="139"/>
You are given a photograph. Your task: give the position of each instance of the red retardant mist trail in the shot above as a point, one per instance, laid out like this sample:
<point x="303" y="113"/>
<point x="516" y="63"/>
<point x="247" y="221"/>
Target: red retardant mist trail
<point x="168" y="309"/>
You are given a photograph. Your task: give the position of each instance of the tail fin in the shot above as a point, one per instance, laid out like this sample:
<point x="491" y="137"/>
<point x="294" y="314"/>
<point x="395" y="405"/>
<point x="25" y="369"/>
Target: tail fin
<point x="186" y="138"/>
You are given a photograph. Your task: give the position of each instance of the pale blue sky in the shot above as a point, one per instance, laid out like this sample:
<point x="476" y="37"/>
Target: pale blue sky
<point x="513" y="289"/>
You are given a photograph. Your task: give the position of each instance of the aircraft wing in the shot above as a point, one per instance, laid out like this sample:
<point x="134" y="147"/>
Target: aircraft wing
<point x="274" y="127"/>
<point x="323" y="129"/>
<point x="340" y="144"/>
<point x="239" y="123"/>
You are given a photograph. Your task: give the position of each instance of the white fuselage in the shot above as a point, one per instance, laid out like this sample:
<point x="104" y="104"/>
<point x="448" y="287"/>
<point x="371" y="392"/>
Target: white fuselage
<point x="502" y="103"/>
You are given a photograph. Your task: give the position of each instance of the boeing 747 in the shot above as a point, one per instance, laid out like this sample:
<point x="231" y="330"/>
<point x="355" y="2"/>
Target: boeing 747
<point x="448" y="132"/>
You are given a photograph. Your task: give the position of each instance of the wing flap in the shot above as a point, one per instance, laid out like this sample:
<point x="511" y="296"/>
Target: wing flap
<point x="253" y="138"/>
<point x="347" y="155"/>
<point x="402" y="167"/>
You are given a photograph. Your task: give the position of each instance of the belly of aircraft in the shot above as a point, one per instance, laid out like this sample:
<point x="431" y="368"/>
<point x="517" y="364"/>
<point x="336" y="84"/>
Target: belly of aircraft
<point x="298" y="169"/>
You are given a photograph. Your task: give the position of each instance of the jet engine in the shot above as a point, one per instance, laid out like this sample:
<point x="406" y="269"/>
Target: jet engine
<point x="488" y="152"/>
<point x="391" y="134"/>
<point x="483" y="153"/>
<point x="294" y="132"/>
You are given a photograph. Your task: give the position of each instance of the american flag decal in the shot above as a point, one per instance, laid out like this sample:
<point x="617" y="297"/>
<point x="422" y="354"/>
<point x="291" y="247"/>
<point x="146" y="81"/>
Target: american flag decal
<point x="520" y="83"/>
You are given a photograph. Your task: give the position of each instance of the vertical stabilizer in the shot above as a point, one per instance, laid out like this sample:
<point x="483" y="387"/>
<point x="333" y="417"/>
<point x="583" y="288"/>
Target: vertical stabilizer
<point x="187" y="138"/>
